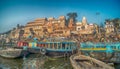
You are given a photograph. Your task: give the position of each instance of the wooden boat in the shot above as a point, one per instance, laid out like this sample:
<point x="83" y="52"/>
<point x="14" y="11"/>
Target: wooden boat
<point x="51" y="48"/>
<point x="13" y="53"/>
<point x="86" y="62"/>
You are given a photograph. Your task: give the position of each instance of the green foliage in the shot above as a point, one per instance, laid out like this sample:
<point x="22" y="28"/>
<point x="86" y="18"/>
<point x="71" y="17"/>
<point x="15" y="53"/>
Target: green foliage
<point x="72" y="15"/>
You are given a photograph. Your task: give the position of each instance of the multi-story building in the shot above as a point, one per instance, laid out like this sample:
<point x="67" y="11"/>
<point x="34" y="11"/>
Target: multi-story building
<point x="62" y="21"/>
<point x="57" y="23"/>
<point x="61" y="33"/>
<point x="36" y="26"/>
<point x="42" y="25"/>
<point x="71" y="25"/>
<point x="109" y="27"/>
<point x="57" y="27"/>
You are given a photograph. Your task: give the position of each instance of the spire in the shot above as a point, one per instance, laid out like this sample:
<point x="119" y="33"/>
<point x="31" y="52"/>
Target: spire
<point x="84" y="20"/>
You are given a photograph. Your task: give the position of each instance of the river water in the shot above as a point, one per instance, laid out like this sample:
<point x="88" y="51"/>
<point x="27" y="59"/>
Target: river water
<point x="35" y="61"/>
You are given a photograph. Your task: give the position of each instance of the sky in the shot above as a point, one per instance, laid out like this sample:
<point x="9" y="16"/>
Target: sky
<point x="13" y="12"/>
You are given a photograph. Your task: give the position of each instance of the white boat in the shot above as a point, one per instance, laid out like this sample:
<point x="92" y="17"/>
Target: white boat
<point x="13" y="53"/>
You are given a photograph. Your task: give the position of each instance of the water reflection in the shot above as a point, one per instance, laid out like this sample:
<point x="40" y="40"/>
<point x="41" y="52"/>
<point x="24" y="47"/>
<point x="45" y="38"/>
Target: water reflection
<point x="35" y="61"/>
<point x="57" y="63"/>
<point x="10" y="63"/>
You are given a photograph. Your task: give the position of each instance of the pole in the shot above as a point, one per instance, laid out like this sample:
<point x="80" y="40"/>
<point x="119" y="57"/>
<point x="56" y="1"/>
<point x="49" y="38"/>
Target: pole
<point x="97" y="14"/>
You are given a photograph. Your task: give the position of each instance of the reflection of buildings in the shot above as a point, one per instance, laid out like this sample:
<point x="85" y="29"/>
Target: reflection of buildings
<point x="36" y="63"/>
<point x="84" y="28"/>
<point x="109" y="27"/>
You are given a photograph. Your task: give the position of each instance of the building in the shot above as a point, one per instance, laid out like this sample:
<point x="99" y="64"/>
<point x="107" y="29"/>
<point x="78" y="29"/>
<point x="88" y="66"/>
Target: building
<point x="36" y="26"/>
<point x="85" y="28"/>
<point x="44" y="26"/>
<point x="109" y="27"/>
<point x="71" y="25"/>
<point x="17" y="32"/>
<point x="61" y="33"/>
<point x="62" y="21"/>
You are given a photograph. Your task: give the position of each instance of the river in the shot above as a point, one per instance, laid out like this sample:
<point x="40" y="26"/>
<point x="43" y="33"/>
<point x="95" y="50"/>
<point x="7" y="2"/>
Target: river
<point x="35" y="61"/>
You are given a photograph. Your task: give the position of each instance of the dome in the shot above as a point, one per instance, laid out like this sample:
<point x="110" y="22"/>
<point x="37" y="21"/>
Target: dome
<point x="84" y="18"/>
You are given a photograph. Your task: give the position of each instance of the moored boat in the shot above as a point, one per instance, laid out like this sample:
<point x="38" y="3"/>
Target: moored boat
<point x="13" y="53"/>
<point x="102" y="51"/>
<point x="51" y="48"/>
<point x="61" y="49"/>
<point x="86" y="62"/>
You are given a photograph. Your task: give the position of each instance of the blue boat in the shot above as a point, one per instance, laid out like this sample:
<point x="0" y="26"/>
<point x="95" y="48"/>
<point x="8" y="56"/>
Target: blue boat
<point x="60" y="48"/>
<point x="102" y="51"/>
<point x="100" y="47"/>
<point x="51" y="48"/>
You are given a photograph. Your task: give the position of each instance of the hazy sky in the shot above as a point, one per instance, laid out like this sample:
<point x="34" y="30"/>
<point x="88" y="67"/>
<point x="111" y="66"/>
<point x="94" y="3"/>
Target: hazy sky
<point x="13" y="12"/>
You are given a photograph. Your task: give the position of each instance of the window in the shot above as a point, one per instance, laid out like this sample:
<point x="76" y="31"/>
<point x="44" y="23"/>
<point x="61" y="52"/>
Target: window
<point x="67" y="47"/>
<point x="63" y="46"/>
<point x="83" y="27"/>
<point x="114" y="47"/>
<point x="51" y="45"/>
<point x="78" y="28"/>
<point x="59" y="46"/>
<point x="55" y="45"/>
<point x="70" y="46"/>
<point x="46" y="45"/>
<point x="119" y="47"/>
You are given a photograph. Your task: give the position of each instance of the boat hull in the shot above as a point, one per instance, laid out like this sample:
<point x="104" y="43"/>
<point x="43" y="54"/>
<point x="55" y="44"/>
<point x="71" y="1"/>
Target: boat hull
<point x="52" y="52"/>
<point x="59" y="53"/>
<point x="13" y="53"/>
<point x="34" y="51"/>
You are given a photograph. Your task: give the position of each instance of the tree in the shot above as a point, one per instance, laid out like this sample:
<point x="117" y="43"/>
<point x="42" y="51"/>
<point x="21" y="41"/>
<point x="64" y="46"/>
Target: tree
<point x="72" y="15"/>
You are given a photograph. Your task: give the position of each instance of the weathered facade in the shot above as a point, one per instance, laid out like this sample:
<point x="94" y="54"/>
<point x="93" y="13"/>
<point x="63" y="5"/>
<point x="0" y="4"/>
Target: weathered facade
<point x="85" y="28"/>
<point x="16" y="32"/>
<point x="109" y="27"/>
<point x="36" y="26"/>
<point x="43" y="26"/>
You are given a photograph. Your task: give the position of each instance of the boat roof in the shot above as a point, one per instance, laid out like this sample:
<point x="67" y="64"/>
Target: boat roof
<point x="100" y="44"/>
